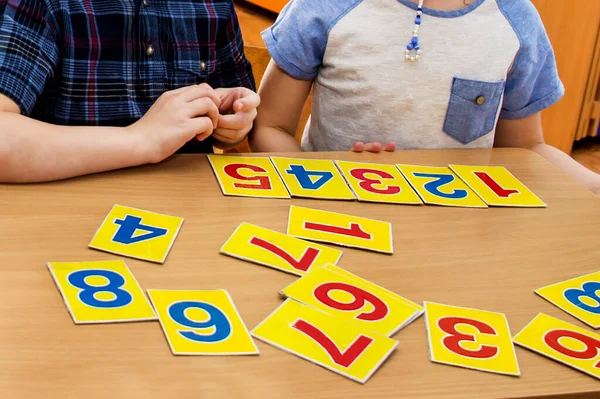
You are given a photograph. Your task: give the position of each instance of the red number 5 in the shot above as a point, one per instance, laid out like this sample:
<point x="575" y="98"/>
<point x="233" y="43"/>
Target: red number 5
<point x="367" y="184"/>
<point x="233" y="170"/>
<point x="452" y="341"/>
<point x="344" y="359"/>
<point x="592" y="345"/>
<point x="360" y="298"/>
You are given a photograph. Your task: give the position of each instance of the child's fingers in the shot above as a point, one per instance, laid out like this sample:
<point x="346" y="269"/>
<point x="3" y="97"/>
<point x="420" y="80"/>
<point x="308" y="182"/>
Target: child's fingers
<point x="359" y="146"/>
<point x="389" y="147"/>
<point x="373" y="147"/>
<point x="248" y="102"/>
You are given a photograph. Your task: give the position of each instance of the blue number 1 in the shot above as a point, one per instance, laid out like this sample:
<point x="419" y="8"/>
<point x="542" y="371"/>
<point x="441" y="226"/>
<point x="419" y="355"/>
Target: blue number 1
<point x="217" y="320"/>
<point x="303" y="177"/>
<point x="131" y="224"/>
<point x="88" y="292"/>
<point x="441" y="180"/>
<point x="588" y="290"/>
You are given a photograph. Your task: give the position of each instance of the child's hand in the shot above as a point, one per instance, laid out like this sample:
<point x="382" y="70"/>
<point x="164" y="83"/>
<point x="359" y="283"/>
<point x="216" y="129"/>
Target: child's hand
<point x="359" y="146"/>
<point x="176" y="118"/>
<point x="237" y="114"/>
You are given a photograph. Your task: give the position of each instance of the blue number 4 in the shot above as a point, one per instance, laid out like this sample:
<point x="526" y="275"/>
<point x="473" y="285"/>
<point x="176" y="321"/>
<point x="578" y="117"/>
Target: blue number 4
<point x="88" y="292"/>
<point x="304" y="177"/>
<point x="441" y="180"/>
<point x="216" y="320"/>
<point x="130" y="225"/>
<point x="589" y="290"/>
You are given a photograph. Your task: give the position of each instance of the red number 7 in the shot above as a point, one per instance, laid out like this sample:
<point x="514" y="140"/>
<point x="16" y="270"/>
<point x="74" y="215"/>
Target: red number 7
<point x="344" y="359"/>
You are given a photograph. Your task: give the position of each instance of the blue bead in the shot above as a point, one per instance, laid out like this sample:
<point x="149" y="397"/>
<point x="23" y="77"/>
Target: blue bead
<point x="410" y="46"/>
<point x="418" y="21"/>
<point x="419" y="8"/>
<point x="417" y="47"/>
<point x="414" y="40"/>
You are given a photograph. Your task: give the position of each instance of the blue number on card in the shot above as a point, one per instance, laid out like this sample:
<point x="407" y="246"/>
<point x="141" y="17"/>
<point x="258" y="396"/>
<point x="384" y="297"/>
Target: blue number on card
<point x="128" y="227"/>
<point x="217" y="321"/>
<point x="441" y="180"/>
<point x="303" y="177"/>
<point x="589" y="290"/>
<point x="88" y="292"/>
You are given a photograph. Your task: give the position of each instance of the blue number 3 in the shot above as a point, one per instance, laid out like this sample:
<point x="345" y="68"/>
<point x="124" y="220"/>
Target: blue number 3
<point x="588" y="290"/>
<point x="88" y="292"/>
<point x="217" y="319"/>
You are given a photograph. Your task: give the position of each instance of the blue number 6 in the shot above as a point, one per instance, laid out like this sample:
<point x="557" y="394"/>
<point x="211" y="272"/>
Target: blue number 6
<point x="217" y="319"/>
<point x="88" y="292"/>
<point x="588" y="290"/>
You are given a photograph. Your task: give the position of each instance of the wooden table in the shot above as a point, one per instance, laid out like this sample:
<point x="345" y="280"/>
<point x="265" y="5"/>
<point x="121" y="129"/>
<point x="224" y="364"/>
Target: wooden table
<point x="490" y="259"/>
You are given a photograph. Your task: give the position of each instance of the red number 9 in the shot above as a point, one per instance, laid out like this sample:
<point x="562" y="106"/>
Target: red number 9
<point x="592" y="345"/>
<point x="360" y="298"/>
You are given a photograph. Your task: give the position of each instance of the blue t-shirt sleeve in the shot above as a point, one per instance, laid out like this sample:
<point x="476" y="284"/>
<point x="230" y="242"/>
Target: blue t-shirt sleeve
<point x="298" y="39"/>
<point x="533" y="83"/>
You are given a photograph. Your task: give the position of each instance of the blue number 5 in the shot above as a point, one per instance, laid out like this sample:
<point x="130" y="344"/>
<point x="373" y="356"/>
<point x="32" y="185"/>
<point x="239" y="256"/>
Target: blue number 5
<point x="441" y="180"/>
<point x="588" y="290"/>
<point x="88" y="292"/>
<point x="131" y="224"/>
<point x="217" y="320"/>
<point x="303" y="177"/>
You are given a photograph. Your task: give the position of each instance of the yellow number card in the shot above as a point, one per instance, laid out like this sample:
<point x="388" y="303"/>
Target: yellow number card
<point x="278" y="251"/>
<point x="202" y="323"/>
<point x="322" y="339"/>
<point x="497" y="186"/>
<point x="353" y="299"/>
<point x="373" y="182"/>
<point x="470" y="338"/>
<point x="313" y="178"/>
<point x="137" y="234"/>
<point x="579" y="297"/>
<point x="336" y="228"/>
<point x="563" y="342"/>
<point x="247" y="176"/>
<point x="439" y="186"/>
<point x="100" y="292"/>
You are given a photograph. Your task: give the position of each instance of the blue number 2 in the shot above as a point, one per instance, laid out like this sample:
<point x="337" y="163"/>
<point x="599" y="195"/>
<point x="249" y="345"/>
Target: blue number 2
<point x="129" y="225"/>
<point x="217" y="319"/>
<point x="303" y="177"/>
<point x="588" y="290"/>
<point x="441" y="180"/>
<point x="88" y="292"/>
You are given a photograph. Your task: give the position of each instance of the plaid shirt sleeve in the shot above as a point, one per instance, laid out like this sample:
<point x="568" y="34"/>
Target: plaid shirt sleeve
<point x="232" y="67"/>
<point x="28" y="51"/>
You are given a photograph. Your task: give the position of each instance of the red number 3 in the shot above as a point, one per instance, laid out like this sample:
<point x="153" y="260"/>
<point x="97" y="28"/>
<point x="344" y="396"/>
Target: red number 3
<point x="360" y="298"/>
<point x="452" y="341"/>
<point x="367" y="184"/>
<point x="233" y="170"/>
<point x="592" y="345"/>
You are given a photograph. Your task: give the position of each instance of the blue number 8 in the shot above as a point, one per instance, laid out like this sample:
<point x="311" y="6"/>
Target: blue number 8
<point x="588" y="290"/>
<point x="217" y="319"/>
<point x="88" y="292"/>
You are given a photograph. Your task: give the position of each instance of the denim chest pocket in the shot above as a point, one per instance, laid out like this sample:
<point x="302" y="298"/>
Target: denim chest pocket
<point x="472" y="109"/>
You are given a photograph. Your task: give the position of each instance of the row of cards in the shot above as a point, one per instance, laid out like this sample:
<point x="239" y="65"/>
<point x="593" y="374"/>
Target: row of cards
<point x="456" y="185"/>
<point x="331" y="317"/>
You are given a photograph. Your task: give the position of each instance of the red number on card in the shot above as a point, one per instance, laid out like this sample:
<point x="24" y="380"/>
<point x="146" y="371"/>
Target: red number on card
<point x="361" y="297"/>
<point x="494" y="186"/>
<point x="263" y="182"/>
<point x="452" y="341"/>
<point x="344" y="359"/>
<point x="367" y="184"/>
<point x="592" y="345"/>
<point x="354" y="231"/>
<point x="305" y="262"/>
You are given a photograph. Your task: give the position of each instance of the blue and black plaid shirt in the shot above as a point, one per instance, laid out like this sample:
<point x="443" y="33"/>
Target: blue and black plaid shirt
<point x="105" y="62"/>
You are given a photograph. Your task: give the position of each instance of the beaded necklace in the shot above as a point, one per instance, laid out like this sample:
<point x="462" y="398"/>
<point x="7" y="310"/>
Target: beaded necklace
<point x="413" y="49"/>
